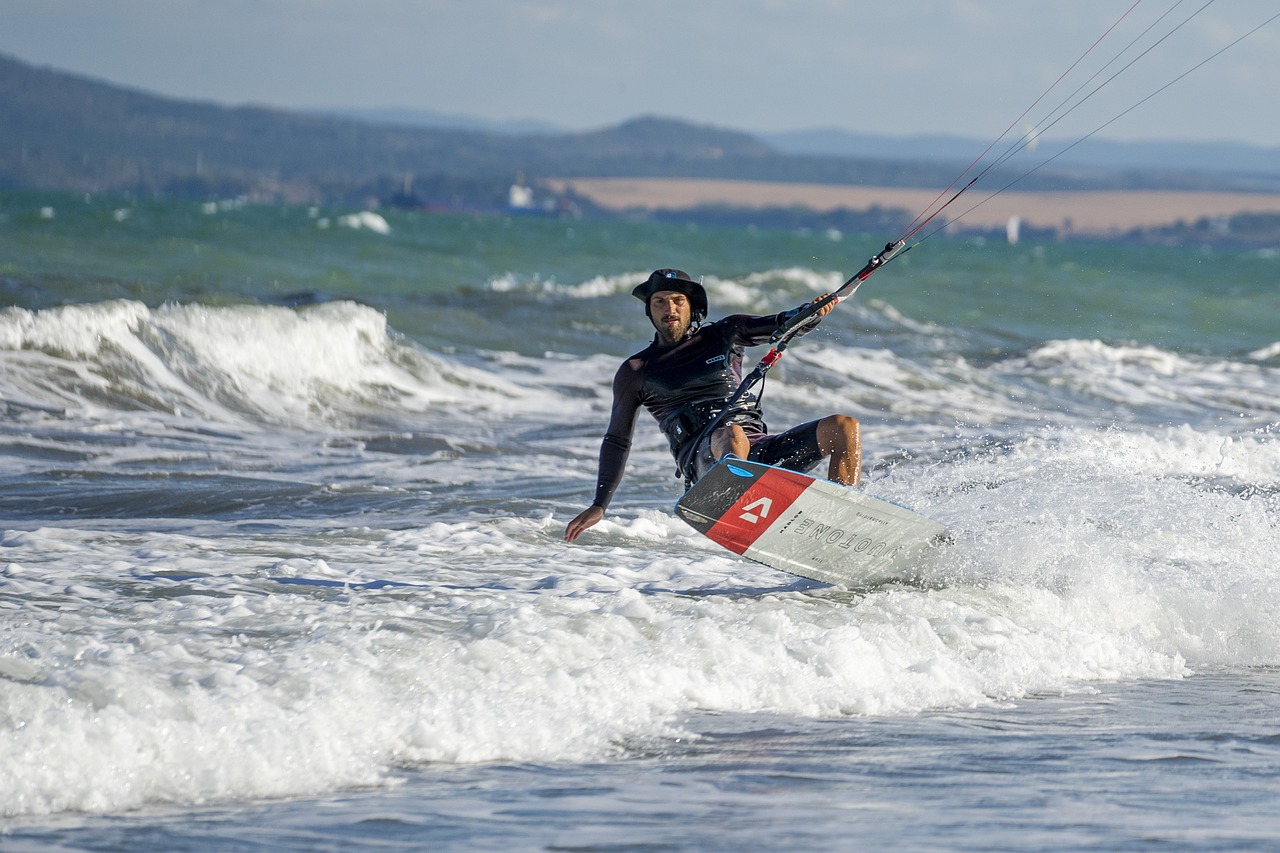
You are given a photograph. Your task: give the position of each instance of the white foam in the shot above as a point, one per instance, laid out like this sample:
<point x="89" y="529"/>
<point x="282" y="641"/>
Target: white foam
<point x="73" y="331"/>
<point x="191" y="661"/>
<point x="365" y="220"/>
<point x="1268" y="352"/>
<point x="767" y="291"/>
<point x="190" y="669"/>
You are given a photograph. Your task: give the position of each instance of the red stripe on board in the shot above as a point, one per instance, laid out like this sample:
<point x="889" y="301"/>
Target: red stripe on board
<point x="761" y="505"/>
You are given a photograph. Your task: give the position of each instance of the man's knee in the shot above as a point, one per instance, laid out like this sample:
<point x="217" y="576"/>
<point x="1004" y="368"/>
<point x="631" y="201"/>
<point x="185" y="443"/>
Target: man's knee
<point x="730" y="439"/>
<point x="839" y="432"/>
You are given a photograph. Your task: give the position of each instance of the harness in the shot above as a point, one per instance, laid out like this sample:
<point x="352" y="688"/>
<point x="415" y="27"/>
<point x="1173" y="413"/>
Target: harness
<point x="689" y="426"/>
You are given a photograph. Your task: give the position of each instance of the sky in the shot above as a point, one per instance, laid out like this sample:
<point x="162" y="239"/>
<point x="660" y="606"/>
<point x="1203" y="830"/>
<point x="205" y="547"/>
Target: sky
<point x="900" y="68"/>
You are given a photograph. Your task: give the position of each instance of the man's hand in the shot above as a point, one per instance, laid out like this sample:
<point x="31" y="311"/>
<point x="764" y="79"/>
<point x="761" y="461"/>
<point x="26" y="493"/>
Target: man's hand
<point x="589" y="517"/>
<point x="829" y="307"/>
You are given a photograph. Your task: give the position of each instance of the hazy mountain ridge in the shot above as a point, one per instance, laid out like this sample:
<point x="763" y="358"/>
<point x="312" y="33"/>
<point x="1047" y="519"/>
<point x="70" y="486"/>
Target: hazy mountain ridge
<point x="1192" y="156"/>
<point x="1212" y="157"/>
<point x="69" y="132"/>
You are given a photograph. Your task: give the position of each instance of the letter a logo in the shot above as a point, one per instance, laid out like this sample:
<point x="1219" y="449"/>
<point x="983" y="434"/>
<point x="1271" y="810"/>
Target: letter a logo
<point x="763" y="505"/>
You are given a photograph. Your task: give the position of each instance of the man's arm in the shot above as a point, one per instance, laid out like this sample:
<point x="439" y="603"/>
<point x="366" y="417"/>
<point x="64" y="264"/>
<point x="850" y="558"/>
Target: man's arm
<point x="755" y="331"/>
<point x="614" y="451"/>
<point x="812" y="324"/>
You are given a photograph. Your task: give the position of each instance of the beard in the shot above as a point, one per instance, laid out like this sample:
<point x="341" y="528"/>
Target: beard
<point x="673" y="332"/>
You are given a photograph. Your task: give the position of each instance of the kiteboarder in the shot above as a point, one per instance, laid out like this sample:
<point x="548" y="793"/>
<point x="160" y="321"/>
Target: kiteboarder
<point x="685" y="377"/>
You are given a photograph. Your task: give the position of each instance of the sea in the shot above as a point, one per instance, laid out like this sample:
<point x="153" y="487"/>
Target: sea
<point x="282" y="499"/>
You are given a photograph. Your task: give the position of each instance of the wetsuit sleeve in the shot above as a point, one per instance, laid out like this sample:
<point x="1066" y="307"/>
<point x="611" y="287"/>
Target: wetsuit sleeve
<point x="616" y="446"/>
<point x="808" y="326"/>
<point x="755" y="331"/>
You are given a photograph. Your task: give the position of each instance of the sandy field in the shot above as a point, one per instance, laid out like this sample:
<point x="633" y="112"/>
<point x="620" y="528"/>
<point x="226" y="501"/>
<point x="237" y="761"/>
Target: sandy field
<point x="1093" y="212"/>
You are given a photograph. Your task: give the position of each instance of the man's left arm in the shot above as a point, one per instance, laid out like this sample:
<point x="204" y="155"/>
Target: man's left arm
<point x="755" y="331"/>
<point x="813" y="322"/>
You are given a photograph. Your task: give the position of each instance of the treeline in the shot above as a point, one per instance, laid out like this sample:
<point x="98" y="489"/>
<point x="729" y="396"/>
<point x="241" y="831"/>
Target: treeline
<point x="1241" y="230"/>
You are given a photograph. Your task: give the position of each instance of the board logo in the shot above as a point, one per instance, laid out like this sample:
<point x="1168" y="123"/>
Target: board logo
<point x="762" y="505"/>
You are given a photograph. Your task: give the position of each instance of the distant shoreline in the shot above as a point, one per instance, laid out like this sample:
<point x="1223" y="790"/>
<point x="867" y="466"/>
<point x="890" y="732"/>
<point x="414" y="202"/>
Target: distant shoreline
<point x="1085" y="213"/>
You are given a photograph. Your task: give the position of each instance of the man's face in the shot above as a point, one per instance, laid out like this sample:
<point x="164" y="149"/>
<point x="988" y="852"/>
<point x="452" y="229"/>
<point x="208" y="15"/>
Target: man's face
<point x="671" y="314"/>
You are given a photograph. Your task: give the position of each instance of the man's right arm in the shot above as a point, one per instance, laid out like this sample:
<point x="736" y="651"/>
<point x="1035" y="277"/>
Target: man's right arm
<point x="614" y="450"/>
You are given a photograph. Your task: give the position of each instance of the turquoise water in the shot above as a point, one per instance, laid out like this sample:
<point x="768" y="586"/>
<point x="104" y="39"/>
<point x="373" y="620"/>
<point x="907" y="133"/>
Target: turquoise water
<point x="1188" y="298"/>
<point x="282" y="494"/>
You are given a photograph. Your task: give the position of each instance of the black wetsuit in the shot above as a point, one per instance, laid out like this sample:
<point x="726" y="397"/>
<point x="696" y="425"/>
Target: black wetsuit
<point x="684" y="386"/>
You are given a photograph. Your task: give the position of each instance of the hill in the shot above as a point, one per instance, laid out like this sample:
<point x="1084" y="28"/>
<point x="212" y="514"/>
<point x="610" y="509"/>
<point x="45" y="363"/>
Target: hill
<point x="1254" y="167"/>
<point x="1249" y="166"/>
<point x="64" y="131"/>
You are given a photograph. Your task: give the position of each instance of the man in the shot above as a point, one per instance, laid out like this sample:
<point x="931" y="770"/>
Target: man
<point x="686" y="376"/>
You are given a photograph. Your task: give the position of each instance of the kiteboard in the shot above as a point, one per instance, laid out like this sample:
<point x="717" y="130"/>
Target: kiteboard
<point x="805" y="526"/>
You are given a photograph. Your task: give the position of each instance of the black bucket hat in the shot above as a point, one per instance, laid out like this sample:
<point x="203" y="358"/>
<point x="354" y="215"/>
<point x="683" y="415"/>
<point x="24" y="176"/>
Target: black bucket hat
<point x="678" y="281"/>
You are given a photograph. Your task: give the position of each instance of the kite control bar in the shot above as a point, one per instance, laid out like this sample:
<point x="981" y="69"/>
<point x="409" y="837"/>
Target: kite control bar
<point x="786" y="330"/>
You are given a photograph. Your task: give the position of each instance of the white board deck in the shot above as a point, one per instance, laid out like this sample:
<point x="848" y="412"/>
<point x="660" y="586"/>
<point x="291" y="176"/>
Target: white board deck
<point x="808" y="527"/>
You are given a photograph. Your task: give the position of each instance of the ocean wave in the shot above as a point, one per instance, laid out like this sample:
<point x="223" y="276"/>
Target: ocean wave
<point x="317" y="363"/>
<point x="1267" y="353"/>
<point x="766" y="291"/>
<point x="1159" y="386"/>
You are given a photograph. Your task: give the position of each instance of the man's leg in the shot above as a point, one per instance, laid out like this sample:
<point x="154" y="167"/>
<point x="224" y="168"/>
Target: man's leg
<point x="730" y="439"/>
<point x="840" y="436"/>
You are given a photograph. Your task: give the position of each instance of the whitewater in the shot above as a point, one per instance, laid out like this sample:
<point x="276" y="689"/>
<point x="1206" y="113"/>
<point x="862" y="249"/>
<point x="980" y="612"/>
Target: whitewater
<point x="282" y="498"/>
